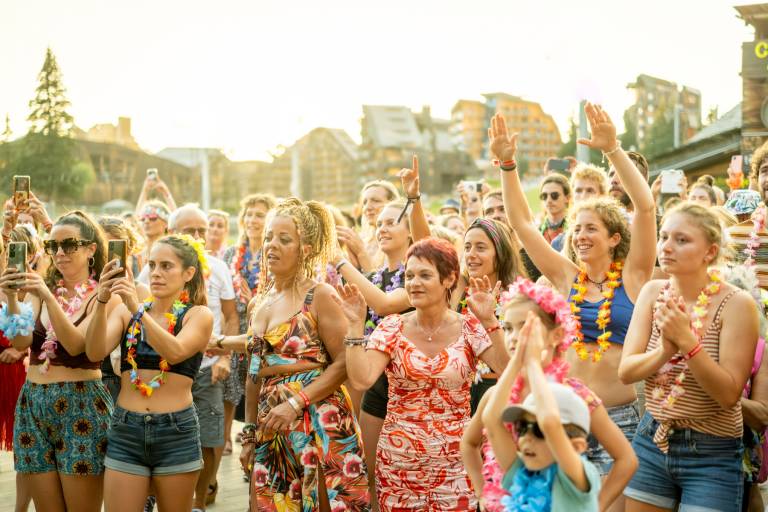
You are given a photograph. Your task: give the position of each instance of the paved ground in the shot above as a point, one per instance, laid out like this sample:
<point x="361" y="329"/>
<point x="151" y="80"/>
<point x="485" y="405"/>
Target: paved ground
<point x="233" y="491"/>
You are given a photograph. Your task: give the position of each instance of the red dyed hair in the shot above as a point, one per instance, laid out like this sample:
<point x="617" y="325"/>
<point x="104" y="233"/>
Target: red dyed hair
<point x="439" y="253"/>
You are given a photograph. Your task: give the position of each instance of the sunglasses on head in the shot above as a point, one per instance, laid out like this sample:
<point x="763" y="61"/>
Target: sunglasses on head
<point x="523" y="426"/>
<point x="68" y="245"/>
<point x="554" y="195"/>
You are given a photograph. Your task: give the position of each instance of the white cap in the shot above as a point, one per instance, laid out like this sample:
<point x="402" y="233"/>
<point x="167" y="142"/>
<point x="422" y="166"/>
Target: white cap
<point x="573" y="409"/>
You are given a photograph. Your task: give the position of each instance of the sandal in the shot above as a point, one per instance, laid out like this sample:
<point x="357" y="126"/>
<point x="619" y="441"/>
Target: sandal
<point x="210" y="496"/>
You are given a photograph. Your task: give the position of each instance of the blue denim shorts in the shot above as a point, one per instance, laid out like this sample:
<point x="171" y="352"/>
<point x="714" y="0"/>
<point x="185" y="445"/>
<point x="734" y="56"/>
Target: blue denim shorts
<point x="626" y="417"/>
<point x="701" y="471"/>
<point x="209" y="400"/>
<point x="148" y="444"/>
<point x="61" y="427"/>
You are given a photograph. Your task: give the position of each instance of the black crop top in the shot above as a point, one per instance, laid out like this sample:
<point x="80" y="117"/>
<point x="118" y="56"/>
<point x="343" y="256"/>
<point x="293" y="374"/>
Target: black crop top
<point x="148" y="359"/>
<point x="63" y="358"/>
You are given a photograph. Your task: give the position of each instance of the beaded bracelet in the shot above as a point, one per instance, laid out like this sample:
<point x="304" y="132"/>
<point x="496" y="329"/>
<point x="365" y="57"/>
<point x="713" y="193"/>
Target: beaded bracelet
<point x="248" y="428"/>
<point x="354" y="342"/>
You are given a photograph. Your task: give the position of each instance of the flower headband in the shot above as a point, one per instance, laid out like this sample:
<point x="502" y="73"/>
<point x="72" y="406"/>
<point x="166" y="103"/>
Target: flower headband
<point x="154" y="212"/>
<point x="548" y="300"/>
<point x="199" y="248"/>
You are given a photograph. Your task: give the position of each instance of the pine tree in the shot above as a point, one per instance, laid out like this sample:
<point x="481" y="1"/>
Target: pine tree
<point x="49" y="115"/>
<point x="48" y="154"/>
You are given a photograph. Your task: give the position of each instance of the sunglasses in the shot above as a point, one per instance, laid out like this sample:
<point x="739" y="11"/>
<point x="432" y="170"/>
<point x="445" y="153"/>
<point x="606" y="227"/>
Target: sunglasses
<point x="193" y="232"/>
<point x="68" y="245"/>
<point x="523" y="426"/>
<point x="554" y="195"/>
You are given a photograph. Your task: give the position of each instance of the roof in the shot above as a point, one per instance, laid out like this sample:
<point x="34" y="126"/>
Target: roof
<point x="503" y="96"/>
<point x="755" y="15"/>
<point x="345" y="141"/>
<point x="391" y="126"/>
<point x="648" y="80"/>
<point x="189" y="156"/>
<point x="731" y="120"/>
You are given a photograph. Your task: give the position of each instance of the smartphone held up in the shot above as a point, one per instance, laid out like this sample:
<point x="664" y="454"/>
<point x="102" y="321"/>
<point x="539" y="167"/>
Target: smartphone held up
<point x="118" y="250"/>
<point x="17" y="258"/>
<point x="21" y="192"/>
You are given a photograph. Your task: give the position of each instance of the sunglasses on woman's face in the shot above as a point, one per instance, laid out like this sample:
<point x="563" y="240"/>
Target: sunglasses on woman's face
<point x="68" y="245"/>
<point x="554" y="195"/>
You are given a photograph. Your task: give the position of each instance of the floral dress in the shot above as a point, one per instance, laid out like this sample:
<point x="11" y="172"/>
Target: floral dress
<point x="418" y="462"/>
<point x="285" y="470"/>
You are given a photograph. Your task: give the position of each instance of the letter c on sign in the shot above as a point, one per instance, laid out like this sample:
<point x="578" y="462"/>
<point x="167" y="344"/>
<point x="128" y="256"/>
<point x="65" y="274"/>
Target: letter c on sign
<point x="761" y="50"/>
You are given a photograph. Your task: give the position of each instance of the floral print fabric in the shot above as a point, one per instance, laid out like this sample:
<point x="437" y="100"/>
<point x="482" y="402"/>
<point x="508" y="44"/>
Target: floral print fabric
<point x="418" y="462"/>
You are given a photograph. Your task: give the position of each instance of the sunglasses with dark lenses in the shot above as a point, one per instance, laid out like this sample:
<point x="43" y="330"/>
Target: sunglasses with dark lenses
<point x="68" y="245"/>
<point x="523" y="426"/>
<point x="554" y="195"/>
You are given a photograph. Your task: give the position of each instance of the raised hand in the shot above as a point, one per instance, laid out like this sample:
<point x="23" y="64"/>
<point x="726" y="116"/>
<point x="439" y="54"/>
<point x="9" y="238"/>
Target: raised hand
<point x="352" y="304"/>
<point x="126" y="289"/>
<point x="9" y="217"/>
<point x="533" y="334"/>
<point x="37" y="210"/>
<point x="349" y="239"/>
<point x="602" y="129"/>
<point x="110" y="274"/>
<point x="502" y="144"/>
<point x="410" y="179"/>
<point x="481" y="299"/>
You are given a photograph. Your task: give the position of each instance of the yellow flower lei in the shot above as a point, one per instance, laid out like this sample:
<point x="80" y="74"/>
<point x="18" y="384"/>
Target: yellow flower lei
<point x="613" y="278"/>
<point x="199" y="248"/>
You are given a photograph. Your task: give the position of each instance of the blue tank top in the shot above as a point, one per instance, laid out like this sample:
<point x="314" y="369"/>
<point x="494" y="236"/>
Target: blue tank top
<point x="621" y="314"/>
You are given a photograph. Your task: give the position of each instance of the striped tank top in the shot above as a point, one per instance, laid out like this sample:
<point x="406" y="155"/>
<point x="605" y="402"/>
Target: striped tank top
<point x="695" y="409"/>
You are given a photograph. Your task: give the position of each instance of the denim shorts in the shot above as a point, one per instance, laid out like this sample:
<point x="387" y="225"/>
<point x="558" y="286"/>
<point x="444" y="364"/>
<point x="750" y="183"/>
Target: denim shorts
<point x="701" y="471"/>
<point x="626" y="417"/>
<point x="209" y="400"/>
<point x="62" y="427"/>
<point x="147" y="444"/>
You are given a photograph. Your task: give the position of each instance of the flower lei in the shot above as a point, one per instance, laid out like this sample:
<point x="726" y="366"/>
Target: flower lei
<point x="241" y="270"/>
<point x="131" y="340"/>
<point x="69" y="306"/>
<point x="613" y="277"/>
<point x="699" y="312"/>
<point x="758" y="225"/>
<point x="378" y="279"/>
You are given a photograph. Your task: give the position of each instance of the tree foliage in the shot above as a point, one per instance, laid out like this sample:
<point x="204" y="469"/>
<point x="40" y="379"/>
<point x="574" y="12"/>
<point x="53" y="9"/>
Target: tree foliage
<point x="47" y="153"/>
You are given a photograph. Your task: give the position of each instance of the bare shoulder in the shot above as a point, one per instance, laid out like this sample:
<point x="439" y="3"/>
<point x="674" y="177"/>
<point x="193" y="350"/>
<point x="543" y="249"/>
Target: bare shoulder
<point x="202" y="313"/>
<point x="740" y="301"/>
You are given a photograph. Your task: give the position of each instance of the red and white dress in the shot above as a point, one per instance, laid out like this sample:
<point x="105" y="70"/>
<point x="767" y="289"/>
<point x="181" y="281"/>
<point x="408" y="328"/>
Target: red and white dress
<point x="418" y="461"/>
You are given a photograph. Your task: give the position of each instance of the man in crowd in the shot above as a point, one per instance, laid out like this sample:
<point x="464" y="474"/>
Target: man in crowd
<point x="555" y="194"/>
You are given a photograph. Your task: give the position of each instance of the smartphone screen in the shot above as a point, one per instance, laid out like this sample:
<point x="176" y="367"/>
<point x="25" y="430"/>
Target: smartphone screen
<point x="118" y="249"/>
<point x="670" y="181"/>
<point x="20" y="191"/>
<point x="17" y="256"/>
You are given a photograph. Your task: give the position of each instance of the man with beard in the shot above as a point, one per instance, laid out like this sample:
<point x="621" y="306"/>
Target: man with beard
<point x="617" y="191"/>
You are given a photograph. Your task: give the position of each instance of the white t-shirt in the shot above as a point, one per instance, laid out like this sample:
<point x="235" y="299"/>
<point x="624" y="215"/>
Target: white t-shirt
<point x="218" y="287"/>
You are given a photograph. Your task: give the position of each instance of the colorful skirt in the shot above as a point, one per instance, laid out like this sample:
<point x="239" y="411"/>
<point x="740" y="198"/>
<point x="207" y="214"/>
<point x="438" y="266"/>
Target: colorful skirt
<point x="12" y="377"/>
<point x="326" y="440"/>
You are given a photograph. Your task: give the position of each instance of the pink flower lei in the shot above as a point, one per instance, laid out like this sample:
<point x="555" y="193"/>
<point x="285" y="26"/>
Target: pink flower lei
<point x="758" y="225"/>
<point x="548" y="300"/>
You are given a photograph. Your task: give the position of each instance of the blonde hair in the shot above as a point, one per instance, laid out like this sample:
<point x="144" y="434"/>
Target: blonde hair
<point x="591" y="173"/>
<point x="249" y="201"/>
<point x="706" y="220"/>
<point x="118" y="228"/>
<point x="316" y="229"/>
<point x="613" y="218"/>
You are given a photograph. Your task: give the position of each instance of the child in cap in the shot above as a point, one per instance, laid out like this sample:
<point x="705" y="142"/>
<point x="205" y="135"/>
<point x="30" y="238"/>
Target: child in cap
<point x="541" y="456"/>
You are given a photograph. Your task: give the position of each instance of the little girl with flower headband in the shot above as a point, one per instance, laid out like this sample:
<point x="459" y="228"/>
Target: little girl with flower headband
<point x="559" y="325"/>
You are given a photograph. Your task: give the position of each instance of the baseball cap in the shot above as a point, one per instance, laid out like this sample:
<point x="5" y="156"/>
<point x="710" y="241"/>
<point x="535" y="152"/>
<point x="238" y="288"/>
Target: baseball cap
<point x="573" y="410"/>
<point x="451" y="203"/>
<point x="743" y="201"/>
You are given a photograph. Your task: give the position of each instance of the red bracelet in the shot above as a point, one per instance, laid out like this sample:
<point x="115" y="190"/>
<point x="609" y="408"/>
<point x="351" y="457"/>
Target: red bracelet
<point x="305" y="398"/>
<point x="695" y="350"/>
<point x="493" y="329"/>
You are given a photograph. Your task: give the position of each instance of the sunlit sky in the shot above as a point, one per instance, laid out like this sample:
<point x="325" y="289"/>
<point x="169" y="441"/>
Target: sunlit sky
<point x="248" y="75"/>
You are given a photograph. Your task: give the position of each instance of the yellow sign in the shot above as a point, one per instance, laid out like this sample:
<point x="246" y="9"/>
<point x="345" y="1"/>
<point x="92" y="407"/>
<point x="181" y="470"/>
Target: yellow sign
<point x="761" y="50"/>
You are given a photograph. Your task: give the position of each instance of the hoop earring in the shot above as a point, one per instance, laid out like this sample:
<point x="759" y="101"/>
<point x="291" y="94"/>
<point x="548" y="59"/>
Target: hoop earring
<point x="91" y="262"/>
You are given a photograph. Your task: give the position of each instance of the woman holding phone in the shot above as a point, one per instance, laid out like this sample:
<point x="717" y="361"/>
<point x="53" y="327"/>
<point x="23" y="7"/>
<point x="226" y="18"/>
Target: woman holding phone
<point x="60" y="431"/>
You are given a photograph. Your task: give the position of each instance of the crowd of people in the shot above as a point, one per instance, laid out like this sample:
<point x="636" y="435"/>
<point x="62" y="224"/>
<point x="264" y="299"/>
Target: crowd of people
<point x="488" y="358"/>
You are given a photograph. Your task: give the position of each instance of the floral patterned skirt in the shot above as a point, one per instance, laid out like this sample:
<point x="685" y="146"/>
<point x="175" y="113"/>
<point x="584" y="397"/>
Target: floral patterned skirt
<point x="287" y="463"/>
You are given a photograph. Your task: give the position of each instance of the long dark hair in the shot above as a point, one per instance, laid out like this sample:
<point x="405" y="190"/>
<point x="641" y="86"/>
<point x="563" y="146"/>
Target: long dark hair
<point x="89" y="230"/>
<point x="508" y="264"/>
<point x="189" y="258"/>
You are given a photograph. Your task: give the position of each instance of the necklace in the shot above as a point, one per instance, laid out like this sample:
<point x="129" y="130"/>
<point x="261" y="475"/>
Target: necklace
<point x="132" y="340"/>
<point x="700" y="311"/>
<point x="430" y="333"/>
<point x="598" y="284"/>
<point x="378" y="279"/>
<point x="69" y="306"/>
<point x="612" y="281"/>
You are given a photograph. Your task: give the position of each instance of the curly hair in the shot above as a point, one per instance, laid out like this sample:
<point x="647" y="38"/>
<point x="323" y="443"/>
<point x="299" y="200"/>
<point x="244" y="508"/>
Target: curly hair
<point x="266" y="200"/>
<point x="316" y="228"/>
<point x="89" y="230"/>
<point x="189" y="258"/>
<point x="758" y="157"/>
<point x="591" y="173"/>
<point x="613" y="218"/>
